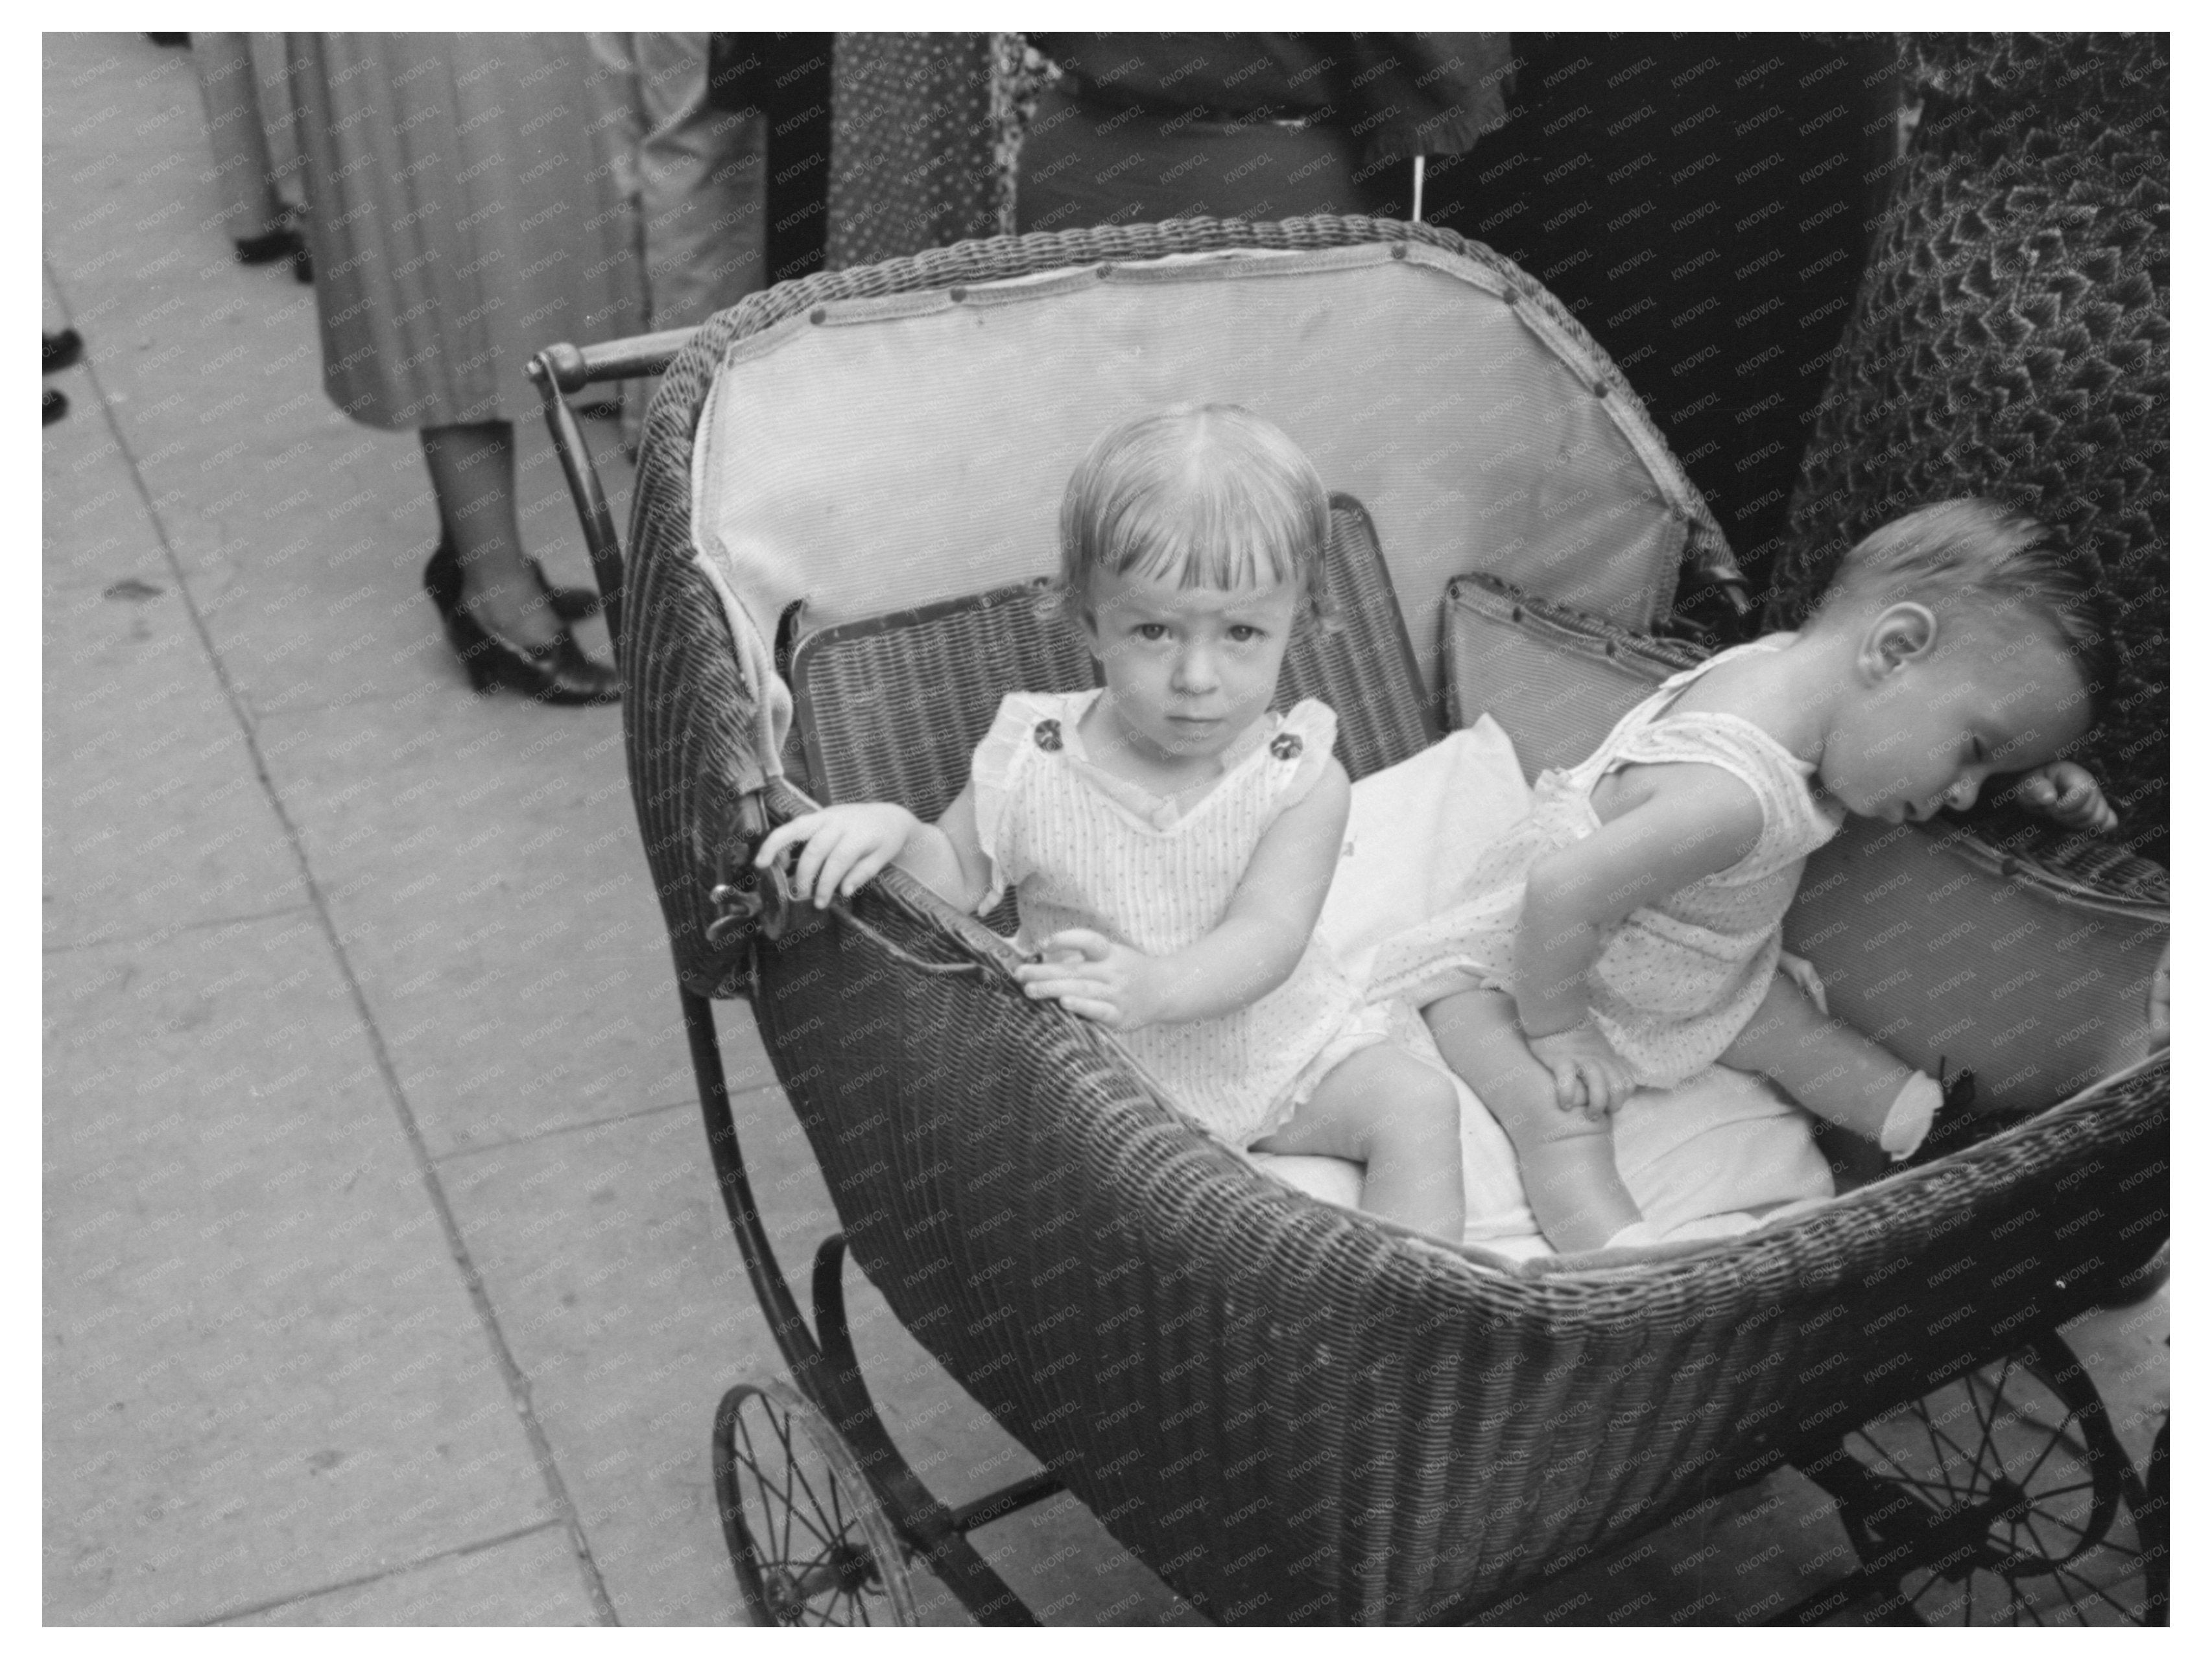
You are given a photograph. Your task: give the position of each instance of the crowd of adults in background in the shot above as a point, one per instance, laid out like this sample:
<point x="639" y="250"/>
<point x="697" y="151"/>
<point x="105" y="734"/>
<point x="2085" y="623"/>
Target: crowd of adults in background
<point x="461" y="201"/>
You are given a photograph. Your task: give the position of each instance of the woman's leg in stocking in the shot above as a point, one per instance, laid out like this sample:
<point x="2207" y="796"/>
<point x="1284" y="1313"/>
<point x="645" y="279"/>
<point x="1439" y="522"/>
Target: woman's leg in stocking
<point x="246" y="176"/>
<point x="472" y="473"/>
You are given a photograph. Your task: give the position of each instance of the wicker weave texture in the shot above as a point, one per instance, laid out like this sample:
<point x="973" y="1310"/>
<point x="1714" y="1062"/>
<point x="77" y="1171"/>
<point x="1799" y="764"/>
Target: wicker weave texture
<point x="1295" y="1415"/>
<point x="1360" y="660"/>
<point x="893" y="708"/>
<point x="1556" y="680"/>
<point x="1292" y="1413"/>
<point x="2011" y="339"/>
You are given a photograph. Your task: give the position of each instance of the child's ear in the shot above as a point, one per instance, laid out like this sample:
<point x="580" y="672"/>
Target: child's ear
<point x="1086" y="618"/>
<point x="1903" y="633"/>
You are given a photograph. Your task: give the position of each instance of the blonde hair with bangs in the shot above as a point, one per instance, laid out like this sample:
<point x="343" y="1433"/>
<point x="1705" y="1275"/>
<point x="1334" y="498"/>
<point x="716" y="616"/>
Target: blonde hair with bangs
<point x="1205" y="495"/>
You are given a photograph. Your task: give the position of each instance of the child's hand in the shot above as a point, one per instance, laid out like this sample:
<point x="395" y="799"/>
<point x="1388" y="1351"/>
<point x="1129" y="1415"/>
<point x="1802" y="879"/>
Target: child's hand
<point x="1590" y="1076"/>
<point x="2066" y="792"/>
<point x="846" y="846"/>
<point x="1087" y="973"/>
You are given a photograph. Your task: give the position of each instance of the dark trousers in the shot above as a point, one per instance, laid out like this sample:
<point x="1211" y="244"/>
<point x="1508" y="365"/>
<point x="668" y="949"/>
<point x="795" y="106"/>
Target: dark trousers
<point x="1086" y="164"/>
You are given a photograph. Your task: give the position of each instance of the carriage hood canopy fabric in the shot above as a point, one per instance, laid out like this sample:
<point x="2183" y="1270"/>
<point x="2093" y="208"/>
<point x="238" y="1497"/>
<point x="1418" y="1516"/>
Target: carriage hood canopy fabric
<point x="880" y="453"/>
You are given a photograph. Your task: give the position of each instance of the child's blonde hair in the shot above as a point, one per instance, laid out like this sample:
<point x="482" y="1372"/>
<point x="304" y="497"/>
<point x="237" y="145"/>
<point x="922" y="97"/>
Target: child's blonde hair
<point x="1205" y="495"/>
<point x="1972" y="552"/>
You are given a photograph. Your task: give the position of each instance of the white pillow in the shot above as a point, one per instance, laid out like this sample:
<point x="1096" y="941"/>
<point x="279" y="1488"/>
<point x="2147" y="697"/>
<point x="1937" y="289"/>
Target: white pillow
<point x="1413" y="835"/>
<point x="1721" y="1143"/>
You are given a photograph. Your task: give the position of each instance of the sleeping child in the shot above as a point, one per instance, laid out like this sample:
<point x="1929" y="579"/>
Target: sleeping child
<point x="1627" y="932"/>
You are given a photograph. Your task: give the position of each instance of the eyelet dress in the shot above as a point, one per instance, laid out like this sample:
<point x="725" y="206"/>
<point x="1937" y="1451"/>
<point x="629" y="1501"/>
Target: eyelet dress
<point x="1084" y="849"/>
<point x="1675" y="982"/>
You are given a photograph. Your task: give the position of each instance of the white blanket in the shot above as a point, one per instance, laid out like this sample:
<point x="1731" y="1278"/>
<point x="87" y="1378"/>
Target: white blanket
<point x="1695" y="1159"/>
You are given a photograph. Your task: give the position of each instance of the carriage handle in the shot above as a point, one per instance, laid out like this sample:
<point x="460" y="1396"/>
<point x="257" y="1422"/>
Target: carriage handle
<point x="564" y="368"/>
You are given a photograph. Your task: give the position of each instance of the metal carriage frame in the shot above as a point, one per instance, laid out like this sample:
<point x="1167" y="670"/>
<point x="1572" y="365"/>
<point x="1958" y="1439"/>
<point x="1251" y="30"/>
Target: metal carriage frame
<point x="870" y="1513"/>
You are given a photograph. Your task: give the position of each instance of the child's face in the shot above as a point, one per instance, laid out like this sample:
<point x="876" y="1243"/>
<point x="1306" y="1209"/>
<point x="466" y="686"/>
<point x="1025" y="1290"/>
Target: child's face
<point x="1188" y="669"/>
<point x="1926" y="727"/>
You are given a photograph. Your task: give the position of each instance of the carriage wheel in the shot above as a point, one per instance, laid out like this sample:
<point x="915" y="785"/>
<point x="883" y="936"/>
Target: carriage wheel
<point x="809" y="1543"/>
<point x="2003" y="1497"/>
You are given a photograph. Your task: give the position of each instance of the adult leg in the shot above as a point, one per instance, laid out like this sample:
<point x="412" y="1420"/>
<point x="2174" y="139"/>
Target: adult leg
<point x="1827" y="1067"/>
<point x="1383" y="1108"/>
<point x="1567" y="1166"/>
<point x="272" y="97"/>
<point x="700" y="188"/>
<point x="245" y="175"/>
<point x="472" y="473"/>
<point x="702" y="185"/>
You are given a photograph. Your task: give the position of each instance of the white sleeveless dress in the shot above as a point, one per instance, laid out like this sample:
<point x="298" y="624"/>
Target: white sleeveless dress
<point x="1082" y="848"/>
<point x="1675" y="982"/>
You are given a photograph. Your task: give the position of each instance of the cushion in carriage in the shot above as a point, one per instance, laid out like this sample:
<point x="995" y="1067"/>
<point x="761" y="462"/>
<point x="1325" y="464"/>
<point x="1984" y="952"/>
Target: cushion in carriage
<point x="1947" y="950"/>
<point x="887" y="453"/>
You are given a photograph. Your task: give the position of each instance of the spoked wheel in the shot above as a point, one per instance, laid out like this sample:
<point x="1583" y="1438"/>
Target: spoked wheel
<point x="809" y="1543"/>
<point x="2001" y="1499"/>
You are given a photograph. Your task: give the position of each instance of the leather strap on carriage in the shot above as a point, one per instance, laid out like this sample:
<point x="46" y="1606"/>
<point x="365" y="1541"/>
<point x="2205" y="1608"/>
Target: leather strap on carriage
<point x="754" y="904"/>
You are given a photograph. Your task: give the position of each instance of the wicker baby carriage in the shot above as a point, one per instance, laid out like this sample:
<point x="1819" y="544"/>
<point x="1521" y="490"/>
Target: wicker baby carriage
<point x="1291" y="1411"/>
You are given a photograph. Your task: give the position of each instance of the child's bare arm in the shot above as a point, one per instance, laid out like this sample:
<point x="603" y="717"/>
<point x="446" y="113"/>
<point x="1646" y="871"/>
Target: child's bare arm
<point x="1259" y="941"/>
<point x="965" y="879"/>
<point x="1681" y="821"/>
<point x="1690" y="822"/>
<point x="844" y="847"/>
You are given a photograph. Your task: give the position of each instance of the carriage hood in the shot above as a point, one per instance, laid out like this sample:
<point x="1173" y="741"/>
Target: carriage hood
<point x="883" y="452"/>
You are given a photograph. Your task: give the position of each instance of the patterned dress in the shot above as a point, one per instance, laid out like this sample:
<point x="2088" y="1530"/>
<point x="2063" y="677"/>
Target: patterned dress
<point x="1675" y="982"/>
<point x="465" y="214"/>
<point x="1083" y="849"/>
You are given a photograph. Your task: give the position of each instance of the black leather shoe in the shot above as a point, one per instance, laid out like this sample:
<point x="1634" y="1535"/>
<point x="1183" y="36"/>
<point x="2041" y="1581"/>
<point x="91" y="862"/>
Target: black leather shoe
<point x="555" y="673"/>
<point x="266" y="249"/>
<point x="1960" y="1122"/>
<point x="441" y="581"/>
<point x="558" y="672"/>
<point x="59" y="351"/>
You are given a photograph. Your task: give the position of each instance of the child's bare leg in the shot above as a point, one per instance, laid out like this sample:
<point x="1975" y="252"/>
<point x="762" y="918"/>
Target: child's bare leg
<point x="1567" y="1166"/>
<point x="1828" y="1068"/>
<point x="1385" y="1108"/>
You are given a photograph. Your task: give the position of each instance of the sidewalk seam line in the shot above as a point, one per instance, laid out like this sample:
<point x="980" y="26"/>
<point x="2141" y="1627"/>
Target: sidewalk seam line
<point x="452" y="1554"/>
<point x="480" y="1147"/>
<point x="181" y="927"/>
<point x="518" y="1386"/>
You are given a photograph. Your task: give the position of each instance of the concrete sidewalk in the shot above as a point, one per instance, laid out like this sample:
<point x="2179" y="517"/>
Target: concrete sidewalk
<point x="386" y="1280"/>
<point x="385" y="1277"/>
